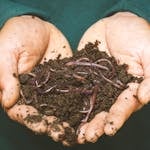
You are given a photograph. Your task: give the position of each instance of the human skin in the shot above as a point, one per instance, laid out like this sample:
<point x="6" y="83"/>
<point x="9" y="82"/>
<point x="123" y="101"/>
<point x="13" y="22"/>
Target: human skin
<point x="28" y="40"/>
<point x="125" y="36"/>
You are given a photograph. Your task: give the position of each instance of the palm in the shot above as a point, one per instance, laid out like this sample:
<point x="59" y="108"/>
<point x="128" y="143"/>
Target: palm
<point x="26" y="41"/>
<point x="126" y="37"/>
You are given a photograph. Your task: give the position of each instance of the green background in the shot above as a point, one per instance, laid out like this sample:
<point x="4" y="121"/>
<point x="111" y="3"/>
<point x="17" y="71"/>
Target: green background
<point x="73" y="17"/>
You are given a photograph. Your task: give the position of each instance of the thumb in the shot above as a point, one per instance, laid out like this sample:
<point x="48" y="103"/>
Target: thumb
<point x="9" y="83"/>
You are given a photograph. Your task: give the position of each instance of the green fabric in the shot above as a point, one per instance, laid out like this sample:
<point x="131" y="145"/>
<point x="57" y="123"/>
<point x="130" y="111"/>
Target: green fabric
<point x="73" y="17"/>
<point x="140" y="8"/>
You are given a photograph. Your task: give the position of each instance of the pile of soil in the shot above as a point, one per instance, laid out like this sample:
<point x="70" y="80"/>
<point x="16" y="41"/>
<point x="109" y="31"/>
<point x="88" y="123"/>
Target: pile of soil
<point x="75" y="89"/>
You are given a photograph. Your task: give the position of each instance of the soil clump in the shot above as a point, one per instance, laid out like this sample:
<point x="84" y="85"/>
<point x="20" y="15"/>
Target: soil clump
<point x="75" y="89"/>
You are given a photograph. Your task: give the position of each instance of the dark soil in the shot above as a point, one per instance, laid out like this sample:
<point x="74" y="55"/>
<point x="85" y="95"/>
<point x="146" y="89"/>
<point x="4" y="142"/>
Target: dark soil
<point x="75" y="89"/>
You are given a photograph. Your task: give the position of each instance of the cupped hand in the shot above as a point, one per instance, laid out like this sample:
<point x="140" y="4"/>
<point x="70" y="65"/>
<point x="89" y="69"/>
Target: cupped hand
<point x="24" y="42"/>
<point x="125" y="36"/>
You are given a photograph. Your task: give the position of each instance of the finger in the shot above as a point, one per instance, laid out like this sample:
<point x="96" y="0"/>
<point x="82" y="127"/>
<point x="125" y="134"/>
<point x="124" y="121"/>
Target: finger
<point x="28" y="116"/>
<point x="55" y="129"/>
<point x="10" y="90"/>
<point x="144" y="91"/>
<point x="70" y="135"/>
<point x="9" y="83"/>
<point x="60" y="131"/>
<point x="95" y="33"/>
<point x="57" y="46"/>
<point x="125" y="105"/>
<point x="81" y="136"/>
<point x="144" y="88"/>
<point x="95" y="129"/>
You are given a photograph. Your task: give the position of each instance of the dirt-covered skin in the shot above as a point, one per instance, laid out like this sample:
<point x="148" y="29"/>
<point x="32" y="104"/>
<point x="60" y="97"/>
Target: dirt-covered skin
<point x="75" y="89"/>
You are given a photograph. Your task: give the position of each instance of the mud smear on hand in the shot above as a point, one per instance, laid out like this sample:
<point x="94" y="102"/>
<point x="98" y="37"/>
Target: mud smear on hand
<point x="75" y="89"/>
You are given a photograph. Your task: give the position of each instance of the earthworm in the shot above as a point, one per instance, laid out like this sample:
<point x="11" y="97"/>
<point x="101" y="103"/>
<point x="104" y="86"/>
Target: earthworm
<point x="82" y="72"/>
<point x="48" y="90"/>
<point x="80" y="78"/>
<point x="92" y="103"/>
<point x="77" y="90"/>
<point x="44" y="82"/>
<point x="24" y="98"/>
<point x="109" y="62"/>
<point x="31" y="74"/>
<point x="83" y="59"/>
<point x="88" y="112"/>
<point x="76" y="63"/>
<point x="117" y="84"/>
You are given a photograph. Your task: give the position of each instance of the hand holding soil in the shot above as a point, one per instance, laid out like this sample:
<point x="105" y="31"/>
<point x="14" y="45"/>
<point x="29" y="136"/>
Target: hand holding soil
<point x="25" y="41"/>
<point x="126" y="37"/>
<point x="83" y="83"/>
<point x="74" y="90"/>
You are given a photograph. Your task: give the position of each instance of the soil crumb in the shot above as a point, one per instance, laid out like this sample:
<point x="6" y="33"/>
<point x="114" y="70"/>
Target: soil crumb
<point x="75" y="89"/>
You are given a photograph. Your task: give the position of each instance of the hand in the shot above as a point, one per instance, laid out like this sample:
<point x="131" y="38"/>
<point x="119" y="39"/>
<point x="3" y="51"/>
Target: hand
<point x="24" y="42"/>
<point x="126" y="37"/>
